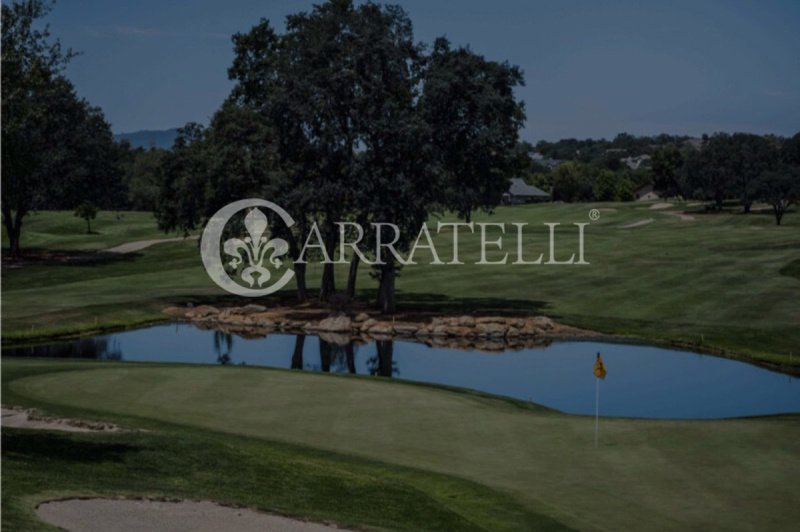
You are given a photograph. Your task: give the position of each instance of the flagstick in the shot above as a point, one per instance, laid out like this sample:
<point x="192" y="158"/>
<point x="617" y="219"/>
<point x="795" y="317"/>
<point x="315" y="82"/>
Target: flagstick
<point x="596" y="411"/>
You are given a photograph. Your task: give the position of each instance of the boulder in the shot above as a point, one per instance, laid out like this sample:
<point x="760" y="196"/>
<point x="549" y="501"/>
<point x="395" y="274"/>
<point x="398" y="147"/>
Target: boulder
<point x="202" y="311"/>
<point x="530" y="329"/>
<point x="366" y="324"/>
<point x="335" y="324"/>
<point x="461" y="332"/>
<point x="263" y="318"/>
<point x="491" y="329"/>
<point x="251" y="309"/>
<point x="405" y="329"/>
<point x="382" y="328"/>
<point x="363" y="316"/>
<point x="541" y="322"/>
<point x="439" y="330"/>
<point x="490" y="319"/>
<point x="175" y="312"/>
<point x="466" y="321"/>
<point x="335" y="338"/>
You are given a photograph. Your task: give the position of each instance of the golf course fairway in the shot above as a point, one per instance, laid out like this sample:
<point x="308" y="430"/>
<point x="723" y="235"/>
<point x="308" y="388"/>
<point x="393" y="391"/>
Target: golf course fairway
<point x="737" y="474"/>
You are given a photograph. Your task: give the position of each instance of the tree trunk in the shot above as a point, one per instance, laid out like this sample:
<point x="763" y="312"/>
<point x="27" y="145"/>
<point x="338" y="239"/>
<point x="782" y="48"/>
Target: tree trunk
<point x="13" y="226"/>
<point x="88" y="227"/>
<point x="328" y="285"/>
<point x="386" y="288"/>
<point x="300" y="280"/>
<point x="351" y="358"/>
<point x="325" y="355"/>
<point x="778" y="214"/>
<point x="297" y="356"/>
<point x="299" y="269"/>
<point x="747" y="206"/>
<point x="385" y="356"/>
<point x="352" y="275"/>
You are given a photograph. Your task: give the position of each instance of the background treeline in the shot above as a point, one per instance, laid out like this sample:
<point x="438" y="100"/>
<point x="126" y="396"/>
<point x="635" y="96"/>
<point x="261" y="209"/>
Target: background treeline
<point x="715" y="169"/>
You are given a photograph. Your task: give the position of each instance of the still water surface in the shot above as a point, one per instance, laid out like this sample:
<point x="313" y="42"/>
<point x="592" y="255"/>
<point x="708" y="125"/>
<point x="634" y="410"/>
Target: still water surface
<point x="642" y="381"/>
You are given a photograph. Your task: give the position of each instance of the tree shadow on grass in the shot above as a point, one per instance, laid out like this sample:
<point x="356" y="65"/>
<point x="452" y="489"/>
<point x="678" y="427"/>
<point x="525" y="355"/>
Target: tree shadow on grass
<point x="43" y="446"/>
<point x="65" y="257"/>
<point x="406" y="302"/>
<point x="428" y="302"/>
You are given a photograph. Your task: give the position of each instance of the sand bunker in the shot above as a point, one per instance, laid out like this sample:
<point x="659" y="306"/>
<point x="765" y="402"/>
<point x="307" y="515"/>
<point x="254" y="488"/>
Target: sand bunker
<point x="132" y="247"/>
<point x="659" y="206"/>
<point x="126" y="515"/>
<point x="637" y="224"/>
<point x="682" y="216"/>
<point x="28" y="419"/>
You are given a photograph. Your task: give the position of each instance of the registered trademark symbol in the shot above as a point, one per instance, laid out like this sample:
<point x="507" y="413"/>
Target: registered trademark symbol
<point x="594" y="215"/>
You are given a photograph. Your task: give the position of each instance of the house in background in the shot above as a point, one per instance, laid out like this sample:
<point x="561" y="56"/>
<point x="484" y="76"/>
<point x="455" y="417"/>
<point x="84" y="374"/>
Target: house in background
<point x="520" y="192"/>
<point x="646" y="193"/>
<point x="634" y="163"/>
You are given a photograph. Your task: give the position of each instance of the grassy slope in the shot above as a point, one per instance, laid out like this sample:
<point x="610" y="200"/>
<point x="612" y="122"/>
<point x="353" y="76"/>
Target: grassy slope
<point x="182" y="462"/>
<point x="646" y="475"/>
<point x="62" y="230"/>
<point x="722" y="280"/>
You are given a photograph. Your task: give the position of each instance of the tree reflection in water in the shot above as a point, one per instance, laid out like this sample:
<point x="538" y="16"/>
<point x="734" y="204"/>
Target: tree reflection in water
<point x="223" y="344"/>
<point x="88" y="348"/>
<point x="297" y="355"/>
<point x="383" y="364"/>
<point x="336" y="357"/>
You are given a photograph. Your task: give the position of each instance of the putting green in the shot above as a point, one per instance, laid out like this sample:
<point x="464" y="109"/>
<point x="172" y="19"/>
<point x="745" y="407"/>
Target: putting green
<point x="646" y="475"/>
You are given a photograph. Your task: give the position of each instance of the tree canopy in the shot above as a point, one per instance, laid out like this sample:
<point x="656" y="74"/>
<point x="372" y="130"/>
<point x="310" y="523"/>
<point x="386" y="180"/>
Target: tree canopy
<point x="58" y="150"/>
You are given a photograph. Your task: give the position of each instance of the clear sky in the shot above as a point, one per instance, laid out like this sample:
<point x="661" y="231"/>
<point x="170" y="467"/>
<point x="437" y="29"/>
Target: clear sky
<point x="592" y="69"/>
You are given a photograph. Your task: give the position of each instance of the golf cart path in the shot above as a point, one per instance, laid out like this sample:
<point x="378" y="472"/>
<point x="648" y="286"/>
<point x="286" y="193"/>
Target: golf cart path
<point x="129" y="515"/>
<point x="138" y="245"/>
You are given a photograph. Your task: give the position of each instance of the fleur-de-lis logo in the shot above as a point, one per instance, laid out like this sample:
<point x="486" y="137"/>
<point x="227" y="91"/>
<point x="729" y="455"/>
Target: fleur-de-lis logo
<point x="249" y="256"/>
<point x="255" y="248"/>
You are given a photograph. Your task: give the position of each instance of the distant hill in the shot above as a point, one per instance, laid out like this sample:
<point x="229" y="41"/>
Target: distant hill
<point x="146" y="138"/>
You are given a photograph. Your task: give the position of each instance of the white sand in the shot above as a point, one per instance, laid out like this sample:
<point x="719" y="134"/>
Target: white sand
<point x="637" y="224"/>
<point x="683" y="217"/>
<point x="29" y="419"/>
<point x="132" y="247"/>
<point x="127" y="515"/>
<point x="659" y="206"/>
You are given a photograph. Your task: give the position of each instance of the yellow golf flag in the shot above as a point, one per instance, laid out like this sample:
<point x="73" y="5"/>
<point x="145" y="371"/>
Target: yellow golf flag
<point x="599" y="368"/>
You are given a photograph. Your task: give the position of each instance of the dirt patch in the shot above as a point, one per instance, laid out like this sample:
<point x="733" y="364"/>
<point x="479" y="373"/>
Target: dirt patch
<point x="21" y="418"/>
<point x="126" y="515"/>
<point x="637" y="224"/>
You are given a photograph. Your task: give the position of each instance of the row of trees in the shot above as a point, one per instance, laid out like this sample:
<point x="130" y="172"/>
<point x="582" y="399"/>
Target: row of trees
<point x="344" y="117"/>
<point x="742" y="167"/>
<point x="716" y="169"/>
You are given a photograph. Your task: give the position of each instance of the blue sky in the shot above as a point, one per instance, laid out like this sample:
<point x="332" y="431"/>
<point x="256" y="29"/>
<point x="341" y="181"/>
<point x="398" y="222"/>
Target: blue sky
<point x="592" y="69"/>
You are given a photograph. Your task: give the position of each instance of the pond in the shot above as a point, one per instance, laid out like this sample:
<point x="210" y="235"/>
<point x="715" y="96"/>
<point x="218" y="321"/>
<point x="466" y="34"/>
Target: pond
<point x="642" y="381"/>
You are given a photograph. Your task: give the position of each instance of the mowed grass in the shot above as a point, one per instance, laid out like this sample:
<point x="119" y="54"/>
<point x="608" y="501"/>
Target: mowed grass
<point x="721" y="281"/>
<point x="169" y="461"/>
<point x="736" y="474"/>
<point x="62" y="230"/>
